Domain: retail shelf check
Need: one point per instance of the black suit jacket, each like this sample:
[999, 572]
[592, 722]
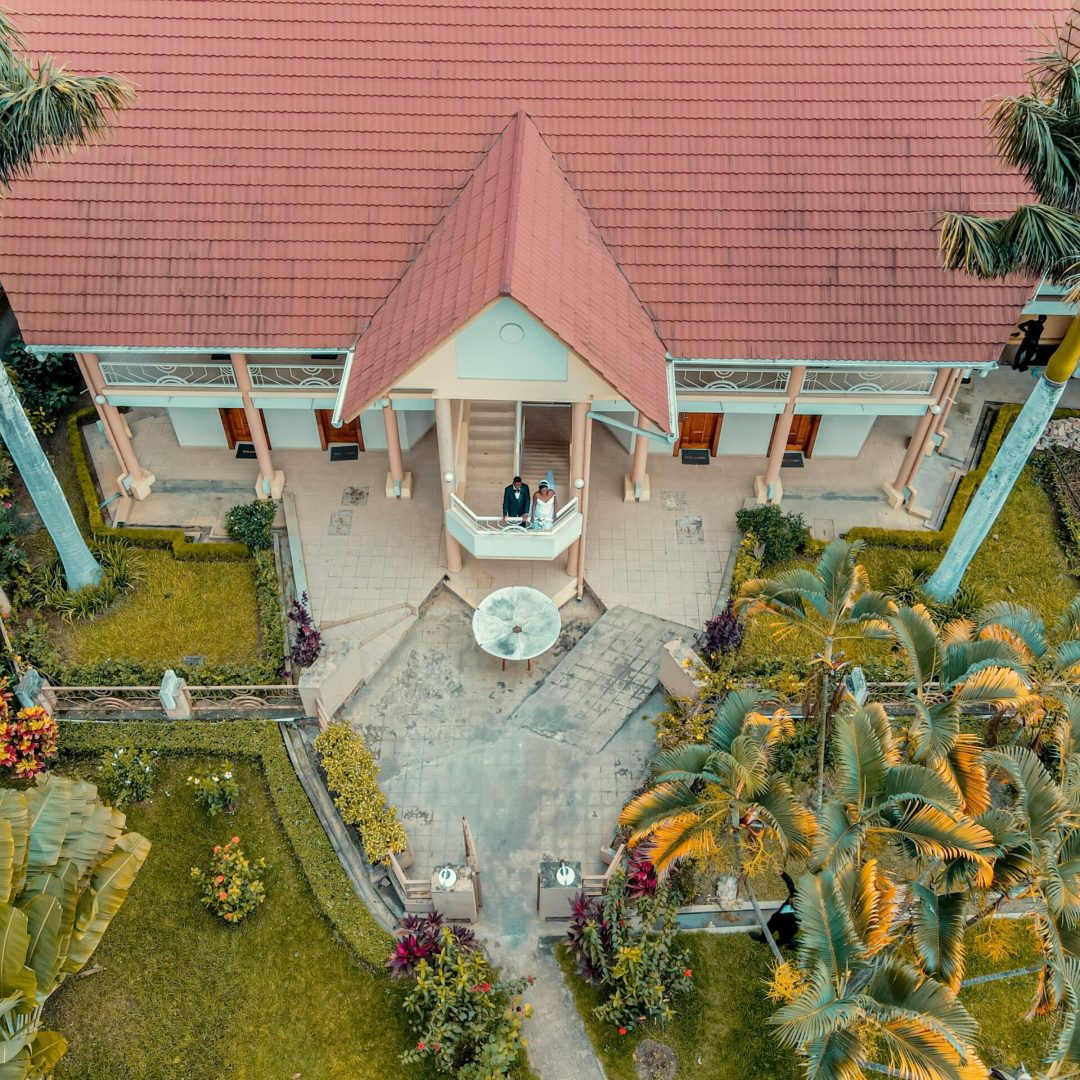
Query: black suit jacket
[515, 507]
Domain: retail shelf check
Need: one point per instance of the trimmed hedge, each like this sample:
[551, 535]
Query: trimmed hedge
[173, 540]
[258, 741]
[940, 539]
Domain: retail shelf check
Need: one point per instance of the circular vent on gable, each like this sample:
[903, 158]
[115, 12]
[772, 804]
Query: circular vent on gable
[511, 333]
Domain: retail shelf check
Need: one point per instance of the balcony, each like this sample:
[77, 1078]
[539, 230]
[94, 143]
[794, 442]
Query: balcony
[490, 538]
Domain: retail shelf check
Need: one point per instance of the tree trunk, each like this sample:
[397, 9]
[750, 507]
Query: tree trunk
[825, 695]
[743, 876]
[80, 566]
[1011, 457]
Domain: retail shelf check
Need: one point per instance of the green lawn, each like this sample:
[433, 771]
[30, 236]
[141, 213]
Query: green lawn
[184, 997]
[1021, 560]
[180, 609]
[722, 1032]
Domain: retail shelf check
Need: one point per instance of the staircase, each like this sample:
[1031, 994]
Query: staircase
[547, 449]
[491, 455]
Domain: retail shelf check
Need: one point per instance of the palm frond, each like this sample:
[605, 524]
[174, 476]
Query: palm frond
[839, 837]
[918, 637]
[932, 834]
[826, 932]
[992, 686]
[871, 898]
[816, 1013]
[791, 824]
[940, 923]
[732, 716]
[1041, 239]
[861, 764]
[1038, 798]
[1069, 623]
[973, 243]
[933, 730]
[968, 771]
[1025, 624]
[839, 575]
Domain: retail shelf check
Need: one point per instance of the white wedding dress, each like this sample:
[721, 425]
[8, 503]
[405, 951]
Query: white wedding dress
[543, 513]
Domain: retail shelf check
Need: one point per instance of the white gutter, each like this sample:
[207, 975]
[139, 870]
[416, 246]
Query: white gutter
[185, 350]
[838, 365]
[339, 402]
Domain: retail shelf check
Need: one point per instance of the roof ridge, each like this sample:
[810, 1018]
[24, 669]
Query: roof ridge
[506, 270]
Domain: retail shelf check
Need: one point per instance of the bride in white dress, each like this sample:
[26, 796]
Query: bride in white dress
[543, 507]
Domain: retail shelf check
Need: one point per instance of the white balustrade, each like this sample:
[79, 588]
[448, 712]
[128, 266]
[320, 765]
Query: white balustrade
[494, 537]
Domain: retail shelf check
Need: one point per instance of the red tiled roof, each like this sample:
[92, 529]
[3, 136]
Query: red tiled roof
[516, 229]
[767, 174]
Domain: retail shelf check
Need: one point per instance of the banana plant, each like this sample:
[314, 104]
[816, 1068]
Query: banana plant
[66, 867]
[724, 796]
[833, 603]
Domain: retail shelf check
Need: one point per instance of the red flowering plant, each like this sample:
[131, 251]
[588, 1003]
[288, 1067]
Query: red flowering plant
[624, 942]
[231, 887]
[419, 937]
[468, 1022]
[27, 738]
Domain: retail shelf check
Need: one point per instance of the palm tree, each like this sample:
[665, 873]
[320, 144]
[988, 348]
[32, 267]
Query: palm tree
[43, 111]
[951, 670]
[723, 796]
[833, 603]
[1036, 133]
[860, 998]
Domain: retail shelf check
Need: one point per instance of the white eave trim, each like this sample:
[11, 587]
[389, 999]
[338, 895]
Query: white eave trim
[839, 365]
[186, 350]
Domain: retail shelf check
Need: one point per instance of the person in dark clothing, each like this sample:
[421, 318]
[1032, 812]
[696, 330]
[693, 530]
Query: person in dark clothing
[784, 923]
[1028, 351]
[516, 500]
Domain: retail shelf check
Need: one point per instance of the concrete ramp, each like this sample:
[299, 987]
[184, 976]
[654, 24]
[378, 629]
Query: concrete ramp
[598, 684]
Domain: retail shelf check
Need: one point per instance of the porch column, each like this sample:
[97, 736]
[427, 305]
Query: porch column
[768, 488]
[398, 481]
[578, 423]
[636, 485]
[901, 492]
[444, 433]
[134, 479]
[270, 484]
[948, 399]
[583, 503]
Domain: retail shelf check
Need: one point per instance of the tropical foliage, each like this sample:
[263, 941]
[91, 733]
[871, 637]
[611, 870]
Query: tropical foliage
[27, 738]
[216, 788]
[232, 887]
[307, 643]
[625, 942]
[252, 524]
[66, 866]
[126, 774]
[723, 797]
[467, 1020]
[46, 385]
[419, 937]
[781, 536]
[832, 603]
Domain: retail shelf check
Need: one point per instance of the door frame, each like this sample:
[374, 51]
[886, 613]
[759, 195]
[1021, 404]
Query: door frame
[714, 443]
[231, 438]
[328, 434]
[815, 426]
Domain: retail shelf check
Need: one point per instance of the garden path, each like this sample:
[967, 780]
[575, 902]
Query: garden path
[539, 762]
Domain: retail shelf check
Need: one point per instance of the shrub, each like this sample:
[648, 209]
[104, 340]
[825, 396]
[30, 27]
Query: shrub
[307, 644]
[126, 775]
[468, 1022]
[419, 937]
[27, 739]
[781, 535]
[252, 524]
[353, 773]
[907, 586]
[262, 743]
[723, 634]
[121, 571]
[231, 888]
[626, 946]
[747, 562]
[46, 385]
[216, 790]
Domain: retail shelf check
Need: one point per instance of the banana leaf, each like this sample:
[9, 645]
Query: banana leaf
[15, 976]
[13, 810]
[44, 915]
[46, 1051]
[49, 807]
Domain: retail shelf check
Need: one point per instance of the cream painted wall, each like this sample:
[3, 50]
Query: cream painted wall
[842, 436]
[292, 429]
[746, 434]
[413, 424]
[198, 427]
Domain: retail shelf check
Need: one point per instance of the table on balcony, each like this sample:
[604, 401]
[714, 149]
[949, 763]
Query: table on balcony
[517, 623]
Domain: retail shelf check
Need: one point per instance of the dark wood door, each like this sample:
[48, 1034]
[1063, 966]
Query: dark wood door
[803, 434]
[237, 429]
[347, 433]
[699, 431]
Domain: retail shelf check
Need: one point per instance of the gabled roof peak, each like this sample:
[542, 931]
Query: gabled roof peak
[516, 228]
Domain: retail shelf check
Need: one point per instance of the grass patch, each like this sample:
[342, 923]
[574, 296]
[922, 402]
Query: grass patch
[180, 608]
[184, 996]
[721, 1030]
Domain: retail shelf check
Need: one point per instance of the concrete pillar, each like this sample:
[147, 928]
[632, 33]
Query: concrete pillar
[578, 423]
[952, 387]
[583, 502]
[134, 479]
[398, 481]
[636, 485]
[769, 488]
[270, 484]
[901, 491]
[444, 433]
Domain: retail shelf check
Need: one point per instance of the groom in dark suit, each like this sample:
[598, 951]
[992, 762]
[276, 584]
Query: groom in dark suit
[516, 500]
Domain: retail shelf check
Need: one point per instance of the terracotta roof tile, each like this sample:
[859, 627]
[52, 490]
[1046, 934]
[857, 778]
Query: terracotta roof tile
[767, 175]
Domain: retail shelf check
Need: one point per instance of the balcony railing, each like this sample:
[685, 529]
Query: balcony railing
[868, 381]
[495, 538]
[295, 376]
[693, 378]
[121, 373]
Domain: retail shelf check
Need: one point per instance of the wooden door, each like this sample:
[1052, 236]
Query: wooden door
[237, 429]
[803, 434]
[699, 431]
[347, 433]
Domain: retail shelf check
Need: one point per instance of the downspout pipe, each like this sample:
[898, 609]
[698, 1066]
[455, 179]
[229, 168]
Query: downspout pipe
[339, 404]
[667, 440]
